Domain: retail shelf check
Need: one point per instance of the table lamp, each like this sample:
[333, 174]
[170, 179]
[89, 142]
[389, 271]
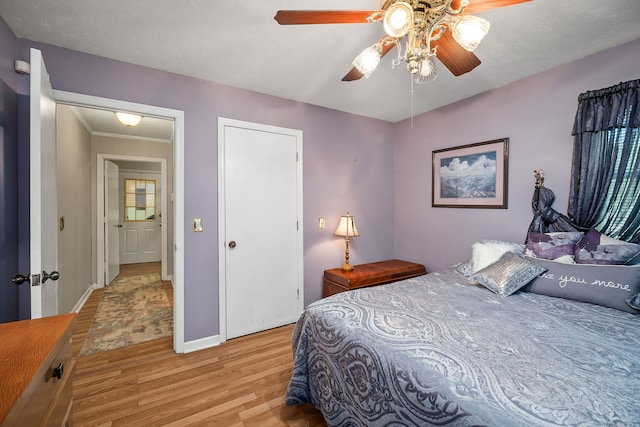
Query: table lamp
[346, 229]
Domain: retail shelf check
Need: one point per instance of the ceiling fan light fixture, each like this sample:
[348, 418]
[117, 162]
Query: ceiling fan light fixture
[367, 61]
[128, 119]
[417, 28]
[398, 19]
[427, 71]
[469, 30]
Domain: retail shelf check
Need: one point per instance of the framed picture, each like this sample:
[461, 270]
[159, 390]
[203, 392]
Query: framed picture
[471, 176]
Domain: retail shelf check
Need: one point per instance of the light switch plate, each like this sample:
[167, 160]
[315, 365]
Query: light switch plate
[198, 225]
[321, 222]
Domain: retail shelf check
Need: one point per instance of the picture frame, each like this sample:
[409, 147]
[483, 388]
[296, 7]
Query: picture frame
[471, 176]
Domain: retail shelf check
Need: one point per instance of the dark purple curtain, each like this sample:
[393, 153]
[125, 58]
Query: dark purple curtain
[545, 218]
[604, 118]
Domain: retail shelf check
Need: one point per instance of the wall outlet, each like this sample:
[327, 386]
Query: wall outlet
[321, 223]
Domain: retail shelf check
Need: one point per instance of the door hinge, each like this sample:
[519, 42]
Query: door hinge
[298, 290]
[297, 156]
[298, 225]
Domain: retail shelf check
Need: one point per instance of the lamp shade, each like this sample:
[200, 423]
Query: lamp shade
[368, 60]
[347, 227]
[427, 71]
[398, 19]
[469, 30]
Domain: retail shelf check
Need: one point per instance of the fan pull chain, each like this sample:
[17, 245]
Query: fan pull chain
[411, 100]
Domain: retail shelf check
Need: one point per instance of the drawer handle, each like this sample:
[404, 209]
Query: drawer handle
[57, 372]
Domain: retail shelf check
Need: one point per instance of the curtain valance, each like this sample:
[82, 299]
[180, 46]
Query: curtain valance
[602, 109]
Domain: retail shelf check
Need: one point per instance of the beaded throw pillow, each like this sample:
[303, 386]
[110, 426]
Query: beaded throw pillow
[510, 273]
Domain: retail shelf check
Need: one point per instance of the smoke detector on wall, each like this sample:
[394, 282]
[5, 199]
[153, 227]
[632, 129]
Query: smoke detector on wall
[22, 67]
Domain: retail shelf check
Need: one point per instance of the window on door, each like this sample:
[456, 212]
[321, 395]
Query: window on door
[139, 199]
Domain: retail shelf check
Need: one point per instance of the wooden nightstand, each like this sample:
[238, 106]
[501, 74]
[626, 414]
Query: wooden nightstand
[376, 273]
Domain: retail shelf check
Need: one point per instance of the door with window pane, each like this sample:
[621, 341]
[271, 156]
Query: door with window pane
[141, 219]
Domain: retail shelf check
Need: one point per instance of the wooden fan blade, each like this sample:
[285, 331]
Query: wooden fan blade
[476, 6]
[455, 57]
[298, 17]
[354, 74]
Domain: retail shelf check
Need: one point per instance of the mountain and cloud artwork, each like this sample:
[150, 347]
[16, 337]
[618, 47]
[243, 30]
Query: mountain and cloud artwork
[470, 176]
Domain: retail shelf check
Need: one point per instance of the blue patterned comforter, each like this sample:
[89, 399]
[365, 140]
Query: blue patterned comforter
[435, 350]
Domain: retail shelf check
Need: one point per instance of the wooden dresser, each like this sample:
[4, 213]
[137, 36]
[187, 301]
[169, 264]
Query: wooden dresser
[372, 274]
[36, 388]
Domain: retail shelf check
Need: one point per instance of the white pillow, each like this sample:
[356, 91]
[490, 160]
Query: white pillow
[487, 252]
[565, 259]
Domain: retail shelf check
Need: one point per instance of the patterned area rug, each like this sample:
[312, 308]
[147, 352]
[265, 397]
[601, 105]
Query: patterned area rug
[132, 310]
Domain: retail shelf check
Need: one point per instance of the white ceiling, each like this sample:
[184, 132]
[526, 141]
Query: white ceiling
[238, 43]
[104, 123]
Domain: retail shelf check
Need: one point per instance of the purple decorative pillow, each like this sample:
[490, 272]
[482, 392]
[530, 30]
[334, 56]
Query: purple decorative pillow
[607, 285]
[552, 245]
[596, 248]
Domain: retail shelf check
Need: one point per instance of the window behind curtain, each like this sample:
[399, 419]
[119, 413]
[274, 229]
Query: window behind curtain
[605, 181]
[623, 201]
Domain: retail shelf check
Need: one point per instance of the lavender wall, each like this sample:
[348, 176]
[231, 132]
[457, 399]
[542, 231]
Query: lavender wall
[537, 115]
[348, 165]
[358, 164]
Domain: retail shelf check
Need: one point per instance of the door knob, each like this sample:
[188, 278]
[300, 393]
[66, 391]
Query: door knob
[232, 244]
[54, 275]
[19, 279]
[119, 225]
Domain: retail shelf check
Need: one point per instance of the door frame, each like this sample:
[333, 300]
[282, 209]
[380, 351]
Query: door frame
[222, 261]
[161, 179]
[109, 228]
[100, 235]
[73, 98]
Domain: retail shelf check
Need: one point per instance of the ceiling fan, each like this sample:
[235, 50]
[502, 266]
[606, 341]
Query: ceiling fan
[442, 29]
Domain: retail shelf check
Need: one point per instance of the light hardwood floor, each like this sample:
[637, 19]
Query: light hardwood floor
[239, 383]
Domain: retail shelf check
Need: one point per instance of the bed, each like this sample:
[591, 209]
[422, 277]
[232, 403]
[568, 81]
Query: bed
[439, 350]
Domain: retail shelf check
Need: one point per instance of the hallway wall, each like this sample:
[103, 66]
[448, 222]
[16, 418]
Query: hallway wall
[74, 204]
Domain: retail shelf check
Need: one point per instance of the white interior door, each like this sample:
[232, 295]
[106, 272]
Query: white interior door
[261, 230]
[141, 241]
[112, 220]
[43, 191]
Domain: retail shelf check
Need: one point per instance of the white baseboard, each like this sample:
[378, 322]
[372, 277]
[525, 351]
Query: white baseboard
[84, 298]
[201, 344]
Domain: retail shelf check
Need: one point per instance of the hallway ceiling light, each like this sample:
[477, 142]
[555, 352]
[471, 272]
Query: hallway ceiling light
[128, 119]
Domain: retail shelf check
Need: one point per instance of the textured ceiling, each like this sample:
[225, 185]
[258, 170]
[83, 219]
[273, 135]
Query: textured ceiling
[238, 43]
